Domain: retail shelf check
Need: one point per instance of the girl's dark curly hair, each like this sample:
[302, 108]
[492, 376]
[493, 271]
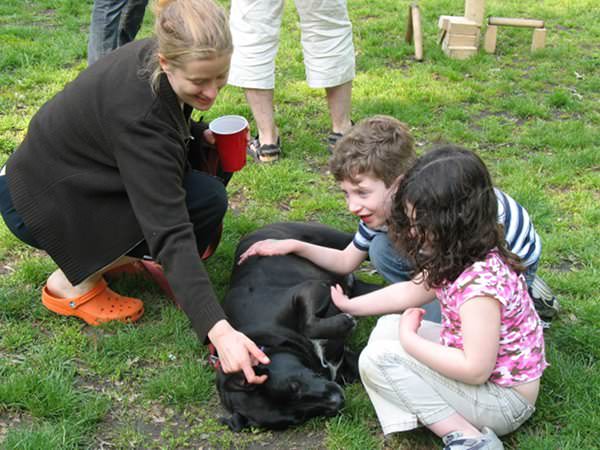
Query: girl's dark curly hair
[450, 196]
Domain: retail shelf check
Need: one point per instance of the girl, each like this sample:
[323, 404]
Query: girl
[477, 375]
[103, 177]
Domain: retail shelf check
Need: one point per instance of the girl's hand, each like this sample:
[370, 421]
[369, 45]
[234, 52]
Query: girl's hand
[340, 299]
[410, 322]
[237, 352]
[268, 247]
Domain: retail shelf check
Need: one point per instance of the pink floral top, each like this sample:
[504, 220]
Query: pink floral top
[521, 356]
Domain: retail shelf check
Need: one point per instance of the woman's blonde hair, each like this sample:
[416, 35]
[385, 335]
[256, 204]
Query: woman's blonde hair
[188, 30]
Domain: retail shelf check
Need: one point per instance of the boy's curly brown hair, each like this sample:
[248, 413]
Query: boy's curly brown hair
[380, 146]
[450, 196]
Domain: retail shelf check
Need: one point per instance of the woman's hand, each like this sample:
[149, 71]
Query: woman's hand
[268, 247]
[410, 323]
[341, 300]
[237, 352]
[209, 137]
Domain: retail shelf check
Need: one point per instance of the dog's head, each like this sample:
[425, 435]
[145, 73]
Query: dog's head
[292, 394]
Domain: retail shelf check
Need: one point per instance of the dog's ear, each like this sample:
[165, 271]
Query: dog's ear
[236, 422]
[237, 382]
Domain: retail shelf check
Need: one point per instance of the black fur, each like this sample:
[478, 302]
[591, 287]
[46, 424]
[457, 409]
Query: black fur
[283, 303]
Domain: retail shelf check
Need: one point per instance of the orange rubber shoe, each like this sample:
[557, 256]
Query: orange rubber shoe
[97, 306]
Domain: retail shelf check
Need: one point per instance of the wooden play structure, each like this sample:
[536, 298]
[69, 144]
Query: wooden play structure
[414, 31]
[459, 35]
[539, 32]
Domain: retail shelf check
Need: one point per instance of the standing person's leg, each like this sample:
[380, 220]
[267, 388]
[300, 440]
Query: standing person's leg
[329, 57]
[339, 101]
[131, 20]
[261, 104]
[255, 28]
[395, 268]
[104, 28]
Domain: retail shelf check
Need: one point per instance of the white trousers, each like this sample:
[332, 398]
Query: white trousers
[406, 393]
[326, 36]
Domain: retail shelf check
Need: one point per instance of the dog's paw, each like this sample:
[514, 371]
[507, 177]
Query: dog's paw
[350, 321]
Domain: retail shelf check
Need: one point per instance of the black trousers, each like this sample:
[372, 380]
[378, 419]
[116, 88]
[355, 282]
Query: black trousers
[206, 200]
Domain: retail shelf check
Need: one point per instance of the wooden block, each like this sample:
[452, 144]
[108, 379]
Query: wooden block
[474, 10]
[512, 22]
[463, 27]
[489, 42]
[417, 31]
[409, 26]
[461, 40]
[539, 39]
[460, 52]
[459, 24]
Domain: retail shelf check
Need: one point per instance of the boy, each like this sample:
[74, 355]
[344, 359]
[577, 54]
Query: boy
[368, 162]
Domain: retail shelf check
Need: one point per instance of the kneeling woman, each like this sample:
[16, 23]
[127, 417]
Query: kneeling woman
[103, 177]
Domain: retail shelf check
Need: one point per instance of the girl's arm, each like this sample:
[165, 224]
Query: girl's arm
[338, 261]
[394, 298]
[480, 321]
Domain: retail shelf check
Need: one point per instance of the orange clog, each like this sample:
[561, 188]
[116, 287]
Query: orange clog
[97, 306]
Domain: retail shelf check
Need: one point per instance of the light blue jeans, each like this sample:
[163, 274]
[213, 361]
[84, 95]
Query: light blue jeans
[114, 23]
[406, 393]
[392, 266]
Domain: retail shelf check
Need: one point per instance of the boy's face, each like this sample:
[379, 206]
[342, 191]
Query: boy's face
[368, 198]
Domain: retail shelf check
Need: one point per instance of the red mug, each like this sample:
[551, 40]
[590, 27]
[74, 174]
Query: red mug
[231, 136]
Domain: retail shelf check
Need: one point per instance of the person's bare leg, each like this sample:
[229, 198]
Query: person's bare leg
[61, 287]
[339, 100]
[261, 104]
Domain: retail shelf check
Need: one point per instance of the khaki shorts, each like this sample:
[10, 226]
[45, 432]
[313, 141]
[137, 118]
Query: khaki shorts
[326, 36]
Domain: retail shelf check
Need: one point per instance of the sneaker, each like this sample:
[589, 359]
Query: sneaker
[487, 441]
[544, 300]
[264, 152]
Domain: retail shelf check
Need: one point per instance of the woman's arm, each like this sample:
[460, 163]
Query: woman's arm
[480, 323]
[338, 261]
[394, 298]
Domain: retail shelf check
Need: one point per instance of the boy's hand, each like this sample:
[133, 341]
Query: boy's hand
[268, 247]
[340, 299]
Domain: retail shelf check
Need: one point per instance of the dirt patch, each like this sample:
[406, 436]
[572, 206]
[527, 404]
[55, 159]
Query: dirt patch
[158, 426]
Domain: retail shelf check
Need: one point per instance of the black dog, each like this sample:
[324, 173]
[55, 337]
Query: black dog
[283, 303]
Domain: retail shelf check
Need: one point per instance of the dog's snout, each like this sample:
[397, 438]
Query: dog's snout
[334, 402]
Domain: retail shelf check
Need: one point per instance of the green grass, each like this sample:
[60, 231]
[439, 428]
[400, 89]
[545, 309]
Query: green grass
[534, 119]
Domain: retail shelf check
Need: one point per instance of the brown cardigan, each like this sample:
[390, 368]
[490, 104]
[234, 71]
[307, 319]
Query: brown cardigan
[101, 169]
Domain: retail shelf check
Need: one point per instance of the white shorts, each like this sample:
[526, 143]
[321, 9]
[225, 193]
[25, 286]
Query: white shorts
[326, 42]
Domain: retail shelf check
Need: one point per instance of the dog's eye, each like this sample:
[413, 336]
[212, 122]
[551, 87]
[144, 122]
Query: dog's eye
[294, 387]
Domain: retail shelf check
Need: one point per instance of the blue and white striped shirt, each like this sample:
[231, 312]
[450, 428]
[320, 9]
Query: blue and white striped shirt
[519, 233]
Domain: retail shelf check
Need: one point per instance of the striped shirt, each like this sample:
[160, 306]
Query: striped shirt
[520, 235]
[364, 235]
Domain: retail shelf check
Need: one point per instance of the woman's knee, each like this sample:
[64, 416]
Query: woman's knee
[206, 198]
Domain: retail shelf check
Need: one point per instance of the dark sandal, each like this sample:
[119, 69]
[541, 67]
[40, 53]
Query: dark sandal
[264, 152]
[333, 138]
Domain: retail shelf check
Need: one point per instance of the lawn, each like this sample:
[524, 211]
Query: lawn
[533, 118]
